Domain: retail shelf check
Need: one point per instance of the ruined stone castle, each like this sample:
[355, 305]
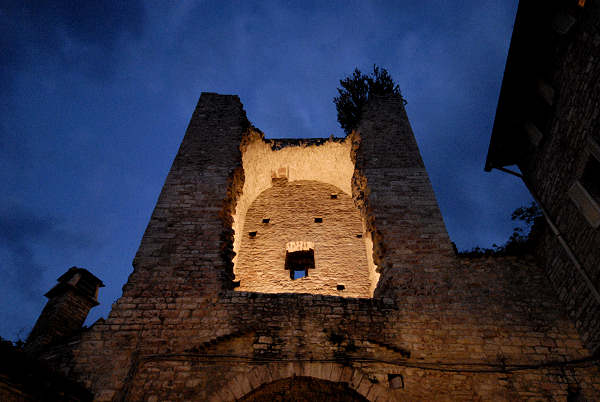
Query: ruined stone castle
[318, 269]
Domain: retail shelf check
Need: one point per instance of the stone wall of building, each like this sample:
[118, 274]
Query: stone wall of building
[62, 316]
[323, 219]
[437, 328]
[559, 161]
[326, 161]
[393, 191]
[23, 379]
[490, 330]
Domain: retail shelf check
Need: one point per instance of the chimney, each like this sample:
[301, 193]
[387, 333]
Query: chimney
[69, 303]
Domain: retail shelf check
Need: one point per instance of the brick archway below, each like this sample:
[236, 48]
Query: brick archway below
[272, 378]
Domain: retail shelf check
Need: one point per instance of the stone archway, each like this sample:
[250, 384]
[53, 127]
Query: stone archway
[331, 376]
[304, 389]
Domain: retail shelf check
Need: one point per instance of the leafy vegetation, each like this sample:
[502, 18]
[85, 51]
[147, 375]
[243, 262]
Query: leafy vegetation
[522, 239]
[355, 92]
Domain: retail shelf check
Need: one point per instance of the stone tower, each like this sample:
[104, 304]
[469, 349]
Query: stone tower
[69, 303]
[232, 196]
[318, 269]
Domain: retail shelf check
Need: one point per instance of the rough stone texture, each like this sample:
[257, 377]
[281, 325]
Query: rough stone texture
[449, 329]
[339, 248]
[191, 223]
[304, 389]
[61, 317]
[327, 161]
[493, 331]
[23, 378]
[560, 160]
[393, 191]
[69, 303]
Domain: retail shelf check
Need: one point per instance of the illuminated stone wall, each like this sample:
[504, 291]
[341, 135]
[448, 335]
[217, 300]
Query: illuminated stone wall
[291, 209]
[436, 328]
[558, 163]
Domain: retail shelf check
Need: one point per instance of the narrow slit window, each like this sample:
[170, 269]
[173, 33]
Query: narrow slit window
[359, 236]
[590, 180]
[266, 220]
[318, 220]
[252, 234]
[341, 287]
[334, 196]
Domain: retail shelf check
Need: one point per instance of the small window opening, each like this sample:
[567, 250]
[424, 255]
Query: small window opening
[396, 381]
[318, 220]
[591, 178]
[266, 220]
[334, 196]
[298, 274]
[299, 262]
[87, 286]
[574, 393]
[359, 236]
[341, 287]
[252, 234]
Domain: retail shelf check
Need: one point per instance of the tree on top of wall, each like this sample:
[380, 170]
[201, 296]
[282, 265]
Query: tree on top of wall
[356, 90]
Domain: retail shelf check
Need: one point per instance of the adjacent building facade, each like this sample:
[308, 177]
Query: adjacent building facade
[548, 124]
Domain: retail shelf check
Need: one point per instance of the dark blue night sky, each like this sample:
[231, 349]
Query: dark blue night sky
[96, 97]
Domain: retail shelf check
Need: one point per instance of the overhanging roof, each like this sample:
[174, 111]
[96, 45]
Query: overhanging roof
[533, 48]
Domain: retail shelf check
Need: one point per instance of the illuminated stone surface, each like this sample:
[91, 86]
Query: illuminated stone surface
[340, 257]
[453, 329]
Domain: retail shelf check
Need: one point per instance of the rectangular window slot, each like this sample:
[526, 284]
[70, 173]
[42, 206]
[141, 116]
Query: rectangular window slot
[534, 135]
[299, 262]
[266, 220]
[396, 381]
[586, 203]
[334, 196]
[341, 287]
[318, 220]
[591, 178]
[359, 236]
[252, 234]
[545, 91]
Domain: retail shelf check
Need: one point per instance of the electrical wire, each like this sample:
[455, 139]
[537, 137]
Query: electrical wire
[455, 367]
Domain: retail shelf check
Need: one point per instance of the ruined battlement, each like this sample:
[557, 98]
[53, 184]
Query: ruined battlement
[381, 308]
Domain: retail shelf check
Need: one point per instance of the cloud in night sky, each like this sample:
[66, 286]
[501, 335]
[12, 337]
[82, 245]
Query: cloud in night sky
[97, 96]
[68, 35]
[23, 238]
